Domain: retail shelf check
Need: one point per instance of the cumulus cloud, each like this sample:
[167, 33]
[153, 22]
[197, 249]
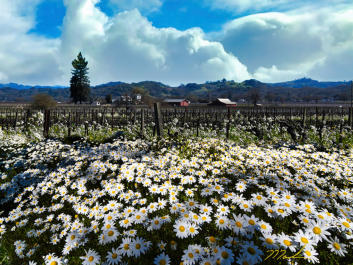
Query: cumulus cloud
[128, 47]
[25, 58]
[317, 43]
[237, 6]
[273, 74]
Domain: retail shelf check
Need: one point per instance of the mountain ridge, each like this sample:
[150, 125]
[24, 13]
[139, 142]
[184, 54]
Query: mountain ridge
[304, 89]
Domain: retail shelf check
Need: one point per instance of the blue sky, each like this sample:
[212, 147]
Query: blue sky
[176, 41]
[179, 14]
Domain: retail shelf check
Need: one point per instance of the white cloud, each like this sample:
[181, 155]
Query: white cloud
[316, 43]
[237, 6]
[142, 5]
[26, 58]
[128, 48]
[273, 74]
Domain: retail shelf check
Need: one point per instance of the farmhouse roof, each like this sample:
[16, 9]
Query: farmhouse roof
[174, 100]
[226, 101]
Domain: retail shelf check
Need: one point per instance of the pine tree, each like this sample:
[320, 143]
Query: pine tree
[79, 83]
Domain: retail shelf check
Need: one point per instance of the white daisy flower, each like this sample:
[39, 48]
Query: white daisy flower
[91, 258]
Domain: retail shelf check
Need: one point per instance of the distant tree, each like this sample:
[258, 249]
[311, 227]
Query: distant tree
[145, 95]
[79, 83]
[109, 98]
[254, 95]
[43, 101]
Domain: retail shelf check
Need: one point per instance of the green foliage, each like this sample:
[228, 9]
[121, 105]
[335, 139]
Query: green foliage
[43, 101]
[79, 83]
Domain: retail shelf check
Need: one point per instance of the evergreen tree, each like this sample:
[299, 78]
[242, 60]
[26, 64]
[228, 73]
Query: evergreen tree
[79, 83]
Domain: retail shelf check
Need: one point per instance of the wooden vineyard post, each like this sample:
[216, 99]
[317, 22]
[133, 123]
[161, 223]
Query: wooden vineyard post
[228, 123]
[15, 121]
[290, 114]
[158, 119]
[142, 126]
[304, 118]
[26, 119]
[69, 125]
[134, 117]
[46, 123]
[86, 128]
[316, 117]
[112, 120]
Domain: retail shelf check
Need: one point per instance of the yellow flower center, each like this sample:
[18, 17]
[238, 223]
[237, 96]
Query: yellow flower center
[304, 240]
[126, 246]
[181, 228]
[225, 254]
[317, 230]
[269, 241]
[91, 258]
[221, 221]
[114, 255]
[287, 242]
[336, 246]
[110, 233]
[138, 246]
[308, 253]
[162, 262]
[251, 222]
[251, 251]
[53, 263]
[191, 255]
[346, 224]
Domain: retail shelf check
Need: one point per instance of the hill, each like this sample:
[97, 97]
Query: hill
[300, 90]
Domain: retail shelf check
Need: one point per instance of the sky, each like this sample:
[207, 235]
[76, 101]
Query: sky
[176, 41]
